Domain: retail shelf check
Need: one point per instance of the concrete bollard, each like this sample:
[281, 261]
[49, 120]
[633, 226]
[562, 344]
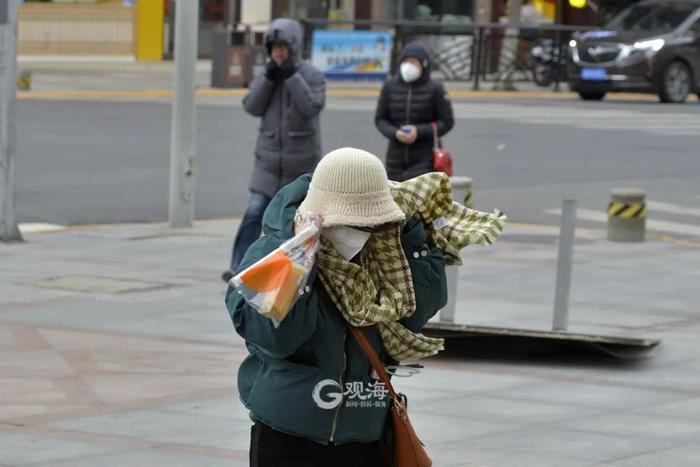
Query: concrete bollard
[461, 190]
[469, 197]
[447, 314]
[627, 215]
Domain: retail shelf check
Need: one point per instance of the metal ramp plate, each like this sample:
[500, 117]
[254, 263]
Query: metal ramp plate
[619, 347]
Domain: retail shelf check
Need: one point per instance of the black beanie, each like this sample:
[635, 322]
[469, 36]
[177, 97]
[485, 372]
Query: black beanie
[416, 50]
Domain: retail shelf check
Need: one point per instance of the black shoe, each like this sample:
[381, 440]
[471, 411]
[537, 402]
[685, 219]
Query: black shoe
[227, 275]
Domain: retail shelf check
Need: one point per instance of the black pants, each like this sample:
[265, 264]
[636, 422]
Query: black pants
[271, 448]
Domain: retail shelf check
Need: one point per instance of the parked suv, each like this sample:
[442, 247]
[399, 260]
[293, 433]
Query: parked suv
[652, 46]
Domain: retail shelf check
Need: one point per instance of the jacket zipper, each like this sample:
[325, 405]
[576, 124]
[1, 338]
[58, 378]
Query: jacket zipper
[282, 130]
[337, 411]
[408, 121]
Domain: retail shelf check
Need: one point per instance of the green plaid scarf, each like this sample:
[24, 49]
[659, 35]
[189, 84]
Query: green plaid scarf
[379, 289]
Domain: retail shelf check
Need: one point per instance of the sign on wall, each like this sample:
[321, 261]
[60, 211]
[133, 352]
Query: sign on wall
[352, 54]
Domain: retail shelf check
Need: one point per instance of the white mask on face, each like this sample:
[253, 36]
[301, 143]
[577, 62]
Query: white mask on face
[348, 241]
[409, 72]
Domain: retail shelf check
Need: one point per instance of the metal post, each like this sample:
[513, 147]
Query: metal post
[182, 138]
[476, 58]
[557, 75]
[8, 129]
[564, 265]
[557, 43]
[484, 54]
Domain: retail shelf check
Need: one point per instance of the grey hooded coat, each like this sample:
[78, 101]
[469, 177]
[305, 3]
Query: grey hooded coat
[289, 142]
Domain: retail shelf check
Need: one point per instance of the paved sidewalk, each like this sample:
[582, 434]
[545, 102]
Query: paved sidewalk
[86, 75]
[117, 351]
[64, 78]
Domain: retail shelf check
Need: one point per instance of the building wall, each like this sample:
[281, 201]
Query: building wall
[75, 29]
[256, 11]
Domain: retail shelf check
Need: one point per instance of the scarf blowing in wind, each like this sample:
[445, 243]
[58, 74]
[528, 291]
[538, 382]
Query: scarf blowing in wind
[379, 289]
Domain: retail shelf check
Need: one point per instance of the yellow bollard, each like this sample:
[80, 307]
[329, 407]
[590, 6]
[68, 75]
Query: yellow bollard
[149, 25]
[627, 213]
[24, 81]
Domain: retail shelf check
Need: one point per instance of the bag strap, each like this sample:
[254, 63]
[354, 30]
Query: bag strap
[437, 144]
[373, 359]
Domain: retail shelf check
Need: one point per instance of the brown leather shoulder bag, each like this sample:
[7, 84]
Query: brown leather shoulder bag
[408, 450]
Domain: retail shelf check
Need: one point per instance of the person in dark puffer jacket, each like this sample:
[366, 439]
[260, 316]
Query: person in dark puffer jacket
[407, 106]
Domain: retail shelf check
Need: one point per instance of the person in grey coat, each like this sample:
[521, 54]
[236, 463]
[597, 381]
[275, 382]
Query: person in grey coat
[288, 95]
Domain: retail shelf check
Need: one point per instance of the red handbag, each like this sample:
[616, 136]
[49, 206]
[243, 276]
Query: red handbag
[442, 160]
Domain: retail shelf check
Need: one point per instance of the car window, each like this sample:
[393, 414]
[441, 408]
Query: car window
[694, 29]
[652, 17]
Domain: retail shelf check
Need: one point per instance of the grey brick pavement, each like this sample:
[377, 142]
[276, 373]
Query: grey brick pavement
[136, 365]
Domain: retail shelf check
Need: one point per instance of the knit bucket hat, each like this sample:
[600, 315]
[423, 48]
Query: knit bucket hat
[350, 187]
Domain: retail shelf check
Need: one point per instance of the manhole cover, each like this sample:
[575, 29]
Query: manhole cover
[96, 284]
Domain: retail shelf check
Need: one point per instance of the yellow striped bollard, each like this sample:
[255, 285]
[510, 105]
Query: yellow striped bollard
[24, 81]
[627, 214]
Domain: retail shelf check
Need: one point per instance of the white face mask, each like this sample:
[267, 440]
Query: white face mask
[348, 241]
[409, 72]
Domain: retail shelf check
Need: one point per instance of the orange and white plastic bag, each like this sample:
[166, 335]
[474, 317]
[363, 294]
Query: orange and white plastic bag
[273, 284]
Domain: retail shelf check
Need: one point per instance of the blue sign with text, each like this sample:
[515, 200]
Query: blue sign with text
[352, 54]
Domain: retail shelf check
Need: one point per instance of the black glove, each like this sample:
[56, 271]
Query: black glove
[272, 71]
[287, 68]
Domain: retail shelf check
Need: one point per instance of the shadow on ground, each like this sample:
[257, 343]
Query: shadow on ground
[514, 350]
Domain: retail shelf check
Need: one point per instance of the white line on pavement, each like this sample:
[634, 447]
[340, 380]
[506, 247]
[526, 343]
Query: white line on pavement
[652, 224]
[673, 208]
[39, 227]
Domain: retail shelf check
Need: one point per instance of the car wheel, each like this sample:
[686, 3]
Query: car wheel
[591, 96]
[675, 83]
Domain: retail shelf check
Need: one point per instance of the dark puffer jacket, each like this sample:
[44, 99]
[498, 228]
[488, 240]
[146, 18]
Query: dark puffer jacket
[418, 103]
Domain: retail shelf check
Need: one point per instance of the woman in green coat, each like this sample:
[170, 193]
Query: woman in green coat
[309, 387]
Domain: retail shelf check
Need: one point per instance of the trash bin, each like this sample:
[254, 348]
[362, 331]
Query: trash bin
[232, 58]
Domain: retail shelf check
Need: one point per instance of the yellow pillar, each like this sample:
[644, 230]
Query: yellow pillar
[149, 23]
[547, 8]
